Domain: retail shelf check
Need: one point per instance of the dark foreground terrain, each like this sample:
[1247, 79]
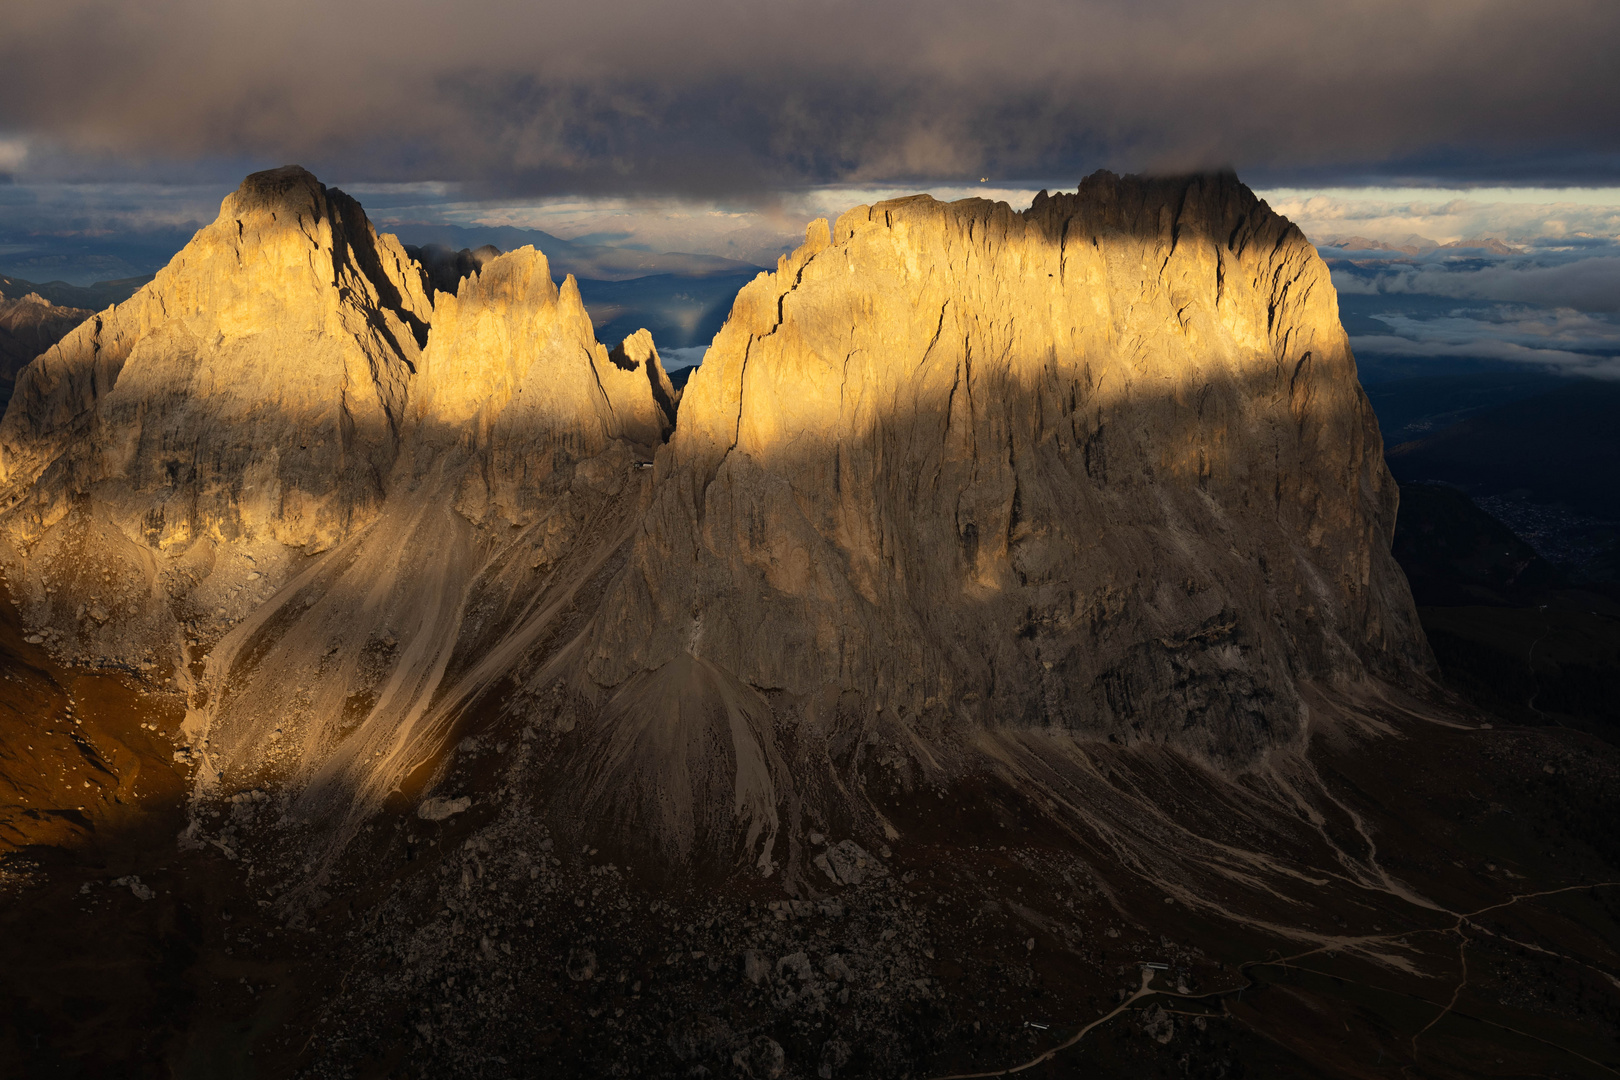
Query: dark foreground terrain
[1509, 533]
[1421, 892]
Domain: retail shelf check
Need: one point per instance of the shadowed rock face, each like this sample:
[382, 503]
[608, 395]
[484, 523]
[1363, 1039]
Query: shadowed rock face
[170, 459]
[952, 472]
[266, 473]
[445, 268]
[1103, 465]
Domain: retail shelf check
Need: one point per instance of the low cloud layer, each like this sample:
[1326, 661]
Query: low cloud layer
[1565, 341]
[1581, 284]
[1524, 275]
[1522, 216]
[717, 97]
[754, 230]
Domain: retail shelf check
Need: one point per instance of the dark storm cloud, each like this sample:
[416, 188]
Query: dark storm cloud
[728, 96]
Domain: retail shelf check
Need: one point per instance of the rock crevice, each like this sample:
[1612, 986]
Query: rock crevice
[950, 474]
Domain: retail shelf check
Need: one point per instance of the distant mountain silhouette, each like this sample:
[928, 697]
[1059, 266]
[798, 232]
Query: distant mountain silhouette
[35, 317]
[92, 297]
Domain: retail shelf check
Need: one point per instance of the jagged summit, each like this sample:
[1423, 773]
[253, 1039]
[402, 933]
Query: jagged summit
[169, 462]
[289, 189]
[951, 475]
[288, 297]
[178, 459]
[1101, 467]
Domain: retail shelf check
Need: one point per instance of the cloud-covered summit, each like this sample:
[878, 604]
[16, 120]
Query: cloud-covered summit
[715, 96]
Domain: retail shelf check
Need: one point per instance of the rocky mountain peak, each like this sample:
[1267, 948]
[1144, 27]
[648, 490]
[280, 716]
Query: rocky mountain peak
[250, 406]
[1006, 636]
[290, 189]
[951, 475]
[1099, 467]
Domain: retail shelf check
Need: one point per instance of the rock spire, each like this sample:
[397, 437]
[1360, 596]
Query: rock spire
[952, 475]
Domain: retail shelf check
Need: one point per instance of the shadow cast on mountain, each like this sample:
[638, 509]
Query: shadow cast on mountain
[1160, 558]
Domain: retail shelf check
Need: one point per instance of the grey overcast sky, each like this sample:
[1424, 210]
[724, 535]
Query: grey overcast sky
[739, 98]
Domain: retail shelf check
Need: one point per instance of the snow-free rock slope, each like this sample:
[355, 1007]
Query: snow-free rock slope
[952, 473]
[266, 474]
[1103, 466]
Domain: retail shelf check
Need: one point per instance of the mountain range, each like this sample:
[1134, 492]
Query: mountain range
[1422, 245]
[996, 637]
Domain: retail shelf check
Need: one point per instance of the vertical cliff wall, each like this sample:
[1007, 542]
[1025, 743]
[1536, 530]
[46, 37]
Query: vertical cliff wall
[170, 459]
[1102, 466]
[313, 499]
[518, 456]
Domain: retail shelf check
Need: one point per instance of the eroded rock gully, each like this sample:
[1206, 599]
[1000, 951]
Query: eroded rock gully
[265, 478]
[1011, 605]
[1102, 467]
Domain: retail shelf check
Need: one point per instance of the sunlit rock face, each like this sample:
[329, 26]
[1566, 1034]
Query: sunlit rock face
[171, 459]
[258, 382]
[517, 477]
[1102, 466]
[282, 474]
[953, 475]
[513, 374]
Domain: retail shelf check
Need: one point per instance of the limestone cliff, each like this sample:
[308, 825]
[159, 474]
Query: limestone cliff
[266, 474]
[1103, 467]
[517, 477]
[170, 459]
[951, 475]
